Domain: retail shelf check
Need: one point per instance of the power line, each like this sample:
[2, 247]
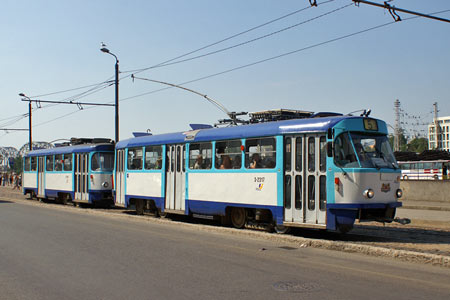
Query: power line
[259, 62]
[252, 40]
[180, 56]
[99, 86]
[279, 56]
[69, 100]
[73, 89]
[393, 10]
[226, 39]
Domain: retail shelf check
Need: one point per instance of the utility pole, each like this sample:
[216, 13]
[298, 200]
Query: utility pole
[116, 83]
[437, 129]
[397, 126]
[30, 109]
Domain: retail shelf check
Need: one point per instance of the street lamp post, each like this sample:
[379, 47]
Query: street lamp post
[30, 140]
[116, 82]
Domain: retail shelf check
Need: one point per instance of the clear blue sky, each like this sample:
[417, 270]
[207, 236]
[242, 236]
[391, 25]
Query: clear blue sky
[50, 46]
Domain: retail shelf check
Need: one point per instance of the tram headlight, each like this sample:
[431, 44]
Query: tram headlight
[399, 193]
[369, 193]
[105, 184]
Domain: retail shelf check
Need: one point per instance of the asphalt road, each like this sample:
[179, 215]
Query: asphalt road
[52, 254]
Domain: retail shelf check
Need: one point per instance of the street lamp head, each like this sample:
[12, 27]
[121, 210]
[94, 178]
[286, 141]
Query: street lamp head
[22, 95]
[106, 50]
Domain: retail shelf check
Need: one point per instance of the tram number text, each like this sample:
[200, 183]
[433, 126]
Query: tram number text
[259, 179]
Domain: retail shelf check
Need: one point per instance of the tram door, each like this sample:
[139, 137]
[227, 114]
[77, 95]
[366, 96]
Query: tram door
[120, 178]
[175, 178]
[81, 168]
[41, 177]
[305, 179]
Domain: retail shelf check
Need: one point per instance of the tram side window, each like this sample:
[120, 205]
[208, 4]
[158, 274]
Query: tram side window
[200, 156]
[135, 158]
[58, 162]
[344, 156]
[323, 154]
[33, 163]
[153, 157]
[260, 153]
[26, 166]
[311, 154]
[228, 155]
[49, 163]
[67, 162]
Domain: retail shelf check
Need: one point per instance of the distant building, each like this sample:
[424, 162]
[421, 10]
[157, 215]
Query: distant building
[439, 136]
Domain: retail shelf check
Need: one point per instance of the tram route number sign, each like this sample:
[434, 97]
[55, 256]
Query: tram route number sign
[370, 124]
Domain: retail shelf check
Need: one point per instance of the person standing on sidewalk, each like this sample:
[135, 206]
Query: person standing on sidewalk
[16, 182]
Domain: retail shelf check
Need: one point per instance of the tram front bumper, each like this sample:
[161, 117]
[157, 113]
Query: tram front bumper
[346, 214]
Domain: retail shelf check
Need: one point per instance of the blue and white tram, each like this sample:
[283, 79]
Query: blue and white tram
[80, 173]
[317, 172]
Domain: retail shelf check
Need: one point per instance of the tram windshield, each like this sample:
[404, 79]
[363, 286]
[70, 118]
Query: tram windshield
[357, 150]
[102, 161]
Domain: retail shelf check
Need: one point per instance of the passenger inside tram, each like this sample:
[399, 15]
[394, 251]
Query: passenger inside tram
[226, 162]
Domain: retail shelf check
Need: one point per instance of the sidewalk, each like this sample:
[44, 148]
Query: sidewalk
[8, 192]
[426, 205]
[432, 213]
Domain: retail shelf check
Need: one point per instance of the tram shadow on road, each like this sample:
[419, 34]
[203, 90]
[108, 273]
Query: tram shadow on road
[412, 238]
[5, 201]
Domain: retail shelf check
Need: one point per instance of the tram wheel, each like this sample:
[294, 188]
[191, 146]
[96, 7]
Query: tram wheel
[63, 199]
[162, 214]
[280, 229]
[139, 206]
[238, 217]
[344, 228]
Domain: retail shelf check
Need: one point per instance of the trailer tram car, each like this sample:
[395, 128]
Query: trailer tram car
[79, 173]
[322, 172]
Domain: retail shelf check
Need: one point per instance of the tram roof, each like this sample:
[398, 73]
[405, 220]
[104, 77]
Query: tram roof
[72, 149]
[238, 132]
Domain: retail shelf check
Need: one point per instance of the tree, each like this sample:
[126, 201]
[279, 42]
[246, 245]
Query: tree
[402, 143]
[418, 145]
[17, 165]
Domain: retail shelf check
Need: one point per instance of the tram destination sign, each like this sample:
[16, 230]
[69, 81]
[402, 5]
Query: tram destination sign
[370, 124]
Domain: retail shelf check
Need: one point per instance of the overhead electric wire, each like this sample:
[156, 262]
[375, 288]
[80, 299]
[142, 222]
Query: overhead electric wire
[26, 115]
[15, 120]
[281, 55]
[136, 71]
[393, 10]
[255, 39]
[99, 86]
[73, 99]
[63, 116]
[73, 89]
[261, 61]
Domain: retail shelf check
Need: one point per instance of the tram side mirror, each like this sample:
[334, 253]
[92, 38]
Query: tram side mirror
[330, 149]
[329, 134]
